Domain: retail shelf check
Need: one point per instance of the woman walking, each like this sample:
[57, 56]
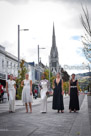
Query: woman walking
[73, 92]
[27, 96]
[11, 91]
[58, 94]
[44, 86]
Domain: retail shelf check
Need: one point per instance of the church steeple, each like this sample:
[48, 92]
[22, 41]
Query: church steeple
[53, 37]
[54, 52]
[54, 61]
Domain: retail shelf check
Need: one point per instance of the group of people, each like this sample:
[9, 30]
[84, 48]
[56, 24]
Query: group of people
[58, 92]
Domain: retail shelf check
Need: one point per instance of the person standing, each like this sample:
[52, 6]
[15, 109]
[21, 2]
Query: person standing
[73, 93]
[1, 92]
[58, 94]
[44, 87]
[27, 96]
[11, 91]
[35, 93]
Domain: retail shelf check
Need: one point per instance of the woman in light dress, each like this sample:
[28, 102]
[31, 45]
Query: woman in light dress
[27, 96]
[11, 91]
[44, 86]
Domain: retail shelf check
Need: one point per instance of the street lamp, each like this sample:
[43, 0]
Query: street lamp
[19, 44]
[38, 59]
[39, 53]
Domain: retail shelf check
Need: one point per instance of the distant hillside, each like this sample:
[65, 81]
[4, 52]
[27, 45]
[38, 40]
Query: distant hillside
[83, 75]
[84, 79]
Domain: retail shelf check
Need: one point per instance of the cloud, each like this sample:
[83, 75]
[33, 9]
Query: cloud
[16, 1]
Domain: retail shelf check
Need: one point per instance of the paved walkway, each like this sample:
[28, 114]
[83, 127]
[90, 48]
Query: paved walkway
[50, 124]
[19, 105]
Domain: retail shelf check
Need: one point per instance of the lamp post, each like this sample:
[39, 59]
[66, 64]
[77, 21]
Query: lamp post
[19, 44]
[49, 72]
[38, 59]
[39, 52]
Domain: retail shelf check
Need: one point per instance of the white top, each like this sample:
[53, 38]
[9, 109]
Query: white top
[26, 83]
[45, 86]
[11, 84]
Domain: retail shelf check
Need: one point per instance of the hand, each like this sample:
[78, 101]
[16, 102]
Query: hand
[8, 94]
[69, 93]
[53, 86]
[30, 93]
[62, 92]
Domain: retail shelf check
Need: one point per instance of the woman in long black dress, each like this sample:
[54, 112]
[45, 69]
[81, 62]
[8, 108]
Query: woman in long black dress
[58, 94]
[73, 92]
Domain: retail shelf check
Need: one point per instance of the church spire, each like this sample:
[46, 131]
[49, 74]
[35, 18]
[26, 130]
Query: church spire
[54, 61]
[53, 37]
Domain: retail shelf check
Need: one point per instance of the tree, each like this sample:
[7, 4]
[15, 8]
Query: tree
[86, 39]
[66, 87]
[46, 72]
[23, 70]
[65, 75]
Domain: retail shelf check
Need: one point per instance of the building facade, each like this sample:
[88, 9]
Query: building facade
[8, 65]
[54, 59]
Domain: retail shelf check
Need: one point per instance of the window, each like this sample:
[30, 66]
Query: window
[14, 65]
[3, 63]
[54, 64]
[7, 64]
[11, 65]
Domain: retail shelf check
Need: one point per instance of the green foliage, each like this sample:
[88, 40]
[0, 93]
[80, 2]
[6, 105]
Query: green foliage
[66, 87]
[23, 70]
[46, 72]
[65, 75]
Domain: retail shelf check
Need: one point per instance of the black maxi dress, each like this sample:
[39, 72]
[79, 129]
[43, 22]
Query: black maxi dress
[58, 97]
[74, 101]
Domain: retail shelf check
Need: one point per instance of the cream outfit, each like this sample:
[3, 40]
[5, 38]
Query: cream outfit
[44, 85]
[12, 93]
[26, 97]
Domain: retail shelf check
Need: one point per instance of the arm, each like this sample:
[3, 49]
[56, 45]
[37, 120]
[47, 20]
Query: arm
[22, 83]
[15, 89]
[15, 85]
[62, 88]
[40, 87]
[30, 87]
[53, 85]
[7, 88]
[69, 87]
[77, 88]
[48, 85]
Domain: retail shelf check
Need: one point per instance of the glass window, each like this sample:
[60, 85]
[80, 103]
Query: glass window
[2, 63]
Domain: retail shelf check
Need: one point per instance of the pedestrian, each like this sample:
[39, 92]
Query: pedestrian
[1, 92]
[58, 94]
[35, 93]
[27, 96]
[73, 93]
[44, 87]
[11, 91]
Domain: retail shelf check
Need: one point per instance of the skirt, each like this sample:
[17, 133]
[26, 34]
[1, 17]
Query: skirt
[26, 97]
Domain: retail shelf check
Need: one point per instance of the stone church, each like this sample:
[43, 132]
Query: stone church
[54, 59]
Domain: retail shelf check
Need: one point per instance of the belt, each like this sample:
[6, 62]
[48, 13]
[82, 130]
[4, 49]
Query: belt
[73, 86]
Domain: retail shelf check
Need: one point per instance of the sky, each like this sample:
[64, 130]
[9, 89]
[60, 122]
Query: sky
[38, 16]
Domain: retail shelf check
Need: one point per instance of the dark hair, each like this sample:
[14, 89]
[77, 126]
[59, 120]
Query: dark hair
[71, 78]
[58, 73]
[73, 74]
[11, 74]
